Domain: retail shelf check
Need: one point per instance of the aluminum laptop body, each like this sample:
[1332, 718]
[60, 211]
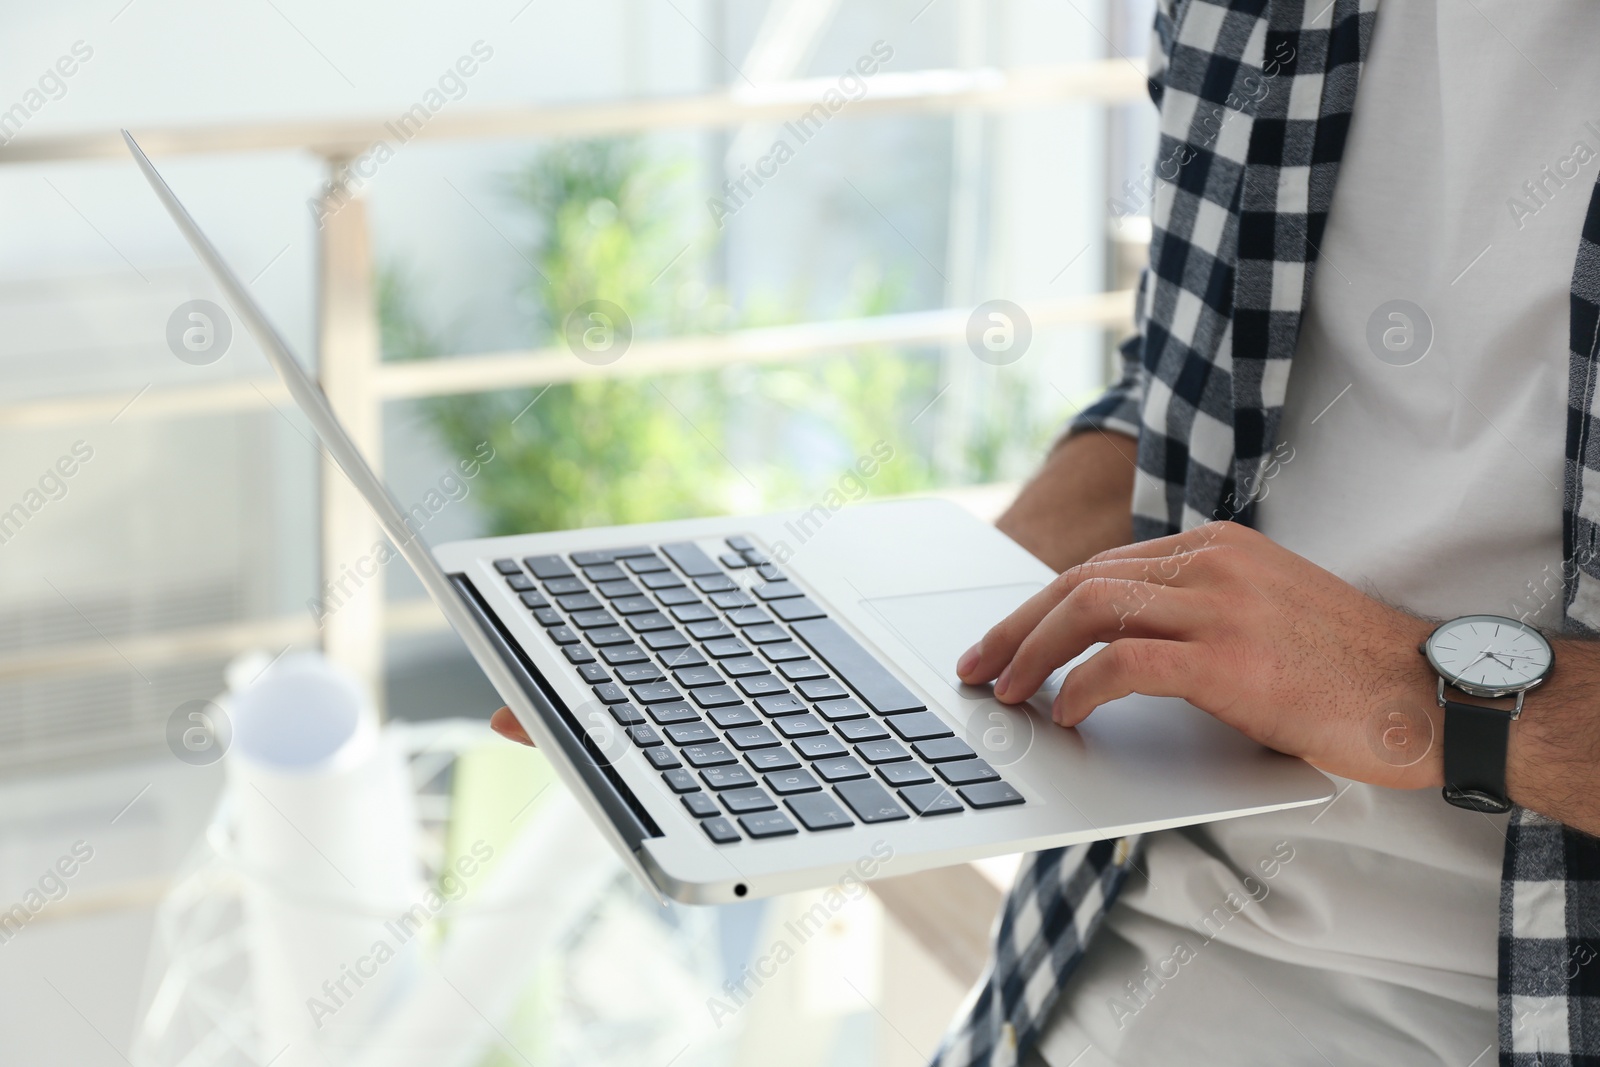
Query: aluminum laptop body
[752, 706]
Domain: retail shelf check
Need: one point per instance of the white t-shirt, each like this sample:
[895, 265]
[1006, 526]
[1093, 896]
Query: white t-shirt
[1366, 930]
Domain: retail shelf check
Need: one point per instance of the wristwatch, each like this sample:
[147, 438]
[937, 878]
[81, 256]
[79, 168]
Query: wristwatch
[1492, 657]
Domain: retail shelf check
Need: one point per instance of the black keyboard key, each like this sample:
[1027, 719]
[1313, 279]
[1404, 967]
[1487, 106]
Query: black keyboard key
[876, 752]
[770, 572]
[631, 552]
[786, 782]
[655, 693]
[929, 799]
[760, 685]
[745, 738]
[802, 669]
[688, 558]
[919, 726]
[782, 653]
[715, 696]
[839, 770]
[661, 580]
[578, 654]
[690, 733]
[907, 773]
[663, 639]
[767, 824]
[824, 746]
[604, 572]
[547, 616]
[638, 673]
[731, 560]
[649, 622]
[764, 634]
[619, 590]
[797, 609]
[520, 582]
[563, 635]
[616, 655]
[634, 605]
[822, 689]
[738, 715]
[594, 673]
[687, 656]
[680, 781]
[677, 596]
[748, 617]
[780, 704]
[644, 736]
[667, 714]
[696, 612]
[647, 564]
[739, 543]
[841, 710]
[708, 629]
[606, 635]
[565, 587]
[989, 795]
[592, 620]
[729, 601]
[742, 667]
[609, 693]
[881, 690]
[726, 647]
[707, 755]
[590, 558]
[793, 726]
[870, 801]
[771, 591]
[546, 567]
[662, 758]
[754, 557]
[941, 749]
[626, 714]
[578, 602]
[720, 830]
[818, 811]
[771, 759]
[741, 801]
[728, 776]
[700, 805]
[862, 730]
[695, 677]
[533, 601]
[507, 566]
[716, 583]
[967, 772]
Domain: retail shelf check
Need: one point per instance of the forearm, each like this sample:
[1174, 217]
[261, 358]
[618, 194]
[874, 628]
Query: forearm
[1079, 503]
[1553, 762]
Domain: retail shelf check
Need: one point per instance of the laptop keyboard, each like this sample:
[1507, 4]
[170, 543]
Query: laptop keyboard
[761, 713]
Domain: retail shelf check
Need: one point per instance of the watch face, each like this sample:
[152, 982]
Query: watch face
[1488, 655]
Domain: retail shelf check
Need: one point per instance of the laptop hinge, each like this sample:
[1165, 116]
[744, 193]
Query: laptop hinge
[603, 780]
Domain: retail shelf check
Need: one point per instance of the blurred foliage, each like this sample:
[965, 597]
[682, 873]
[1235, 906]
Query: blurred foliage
[611, 223]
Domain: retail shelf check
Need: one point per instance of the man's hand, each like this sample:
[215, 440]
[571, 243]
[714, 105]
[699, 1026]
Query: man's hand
[1261, 638]
[506, 725]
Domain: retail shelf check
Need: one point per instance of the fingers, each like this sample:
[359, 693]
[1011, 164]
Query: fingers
[1131, 665]
[506, 725]
[1152, 565]
[1102, 609]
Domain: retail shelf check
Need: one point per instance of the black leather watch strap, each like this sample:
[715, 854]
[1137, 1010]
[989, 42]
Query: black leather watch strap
[1475, 741]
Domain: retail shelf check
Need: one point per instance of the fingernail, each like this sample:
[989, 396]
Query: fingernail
[1002, 682]
[968, 660]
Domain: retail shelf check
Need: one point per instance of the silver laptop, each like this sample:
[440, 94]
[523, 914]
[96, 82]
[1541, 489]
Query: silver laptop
[751, 706]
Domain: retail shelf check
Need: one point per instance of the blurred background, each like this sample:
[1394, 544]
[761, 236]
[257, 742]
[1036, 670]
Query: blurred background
[800, 208]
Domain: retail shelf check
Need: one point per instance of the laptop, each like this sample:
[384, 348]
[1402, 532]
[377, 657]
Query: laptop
[759, 705]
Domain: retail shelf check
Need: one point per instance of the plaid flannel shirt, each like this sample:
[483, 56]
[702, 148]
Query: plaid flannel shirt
[1255, 100]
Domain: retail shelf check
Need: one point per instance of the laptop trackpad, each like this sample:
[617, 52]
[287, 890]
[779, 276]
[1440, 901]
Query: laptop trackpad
[938, 627]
